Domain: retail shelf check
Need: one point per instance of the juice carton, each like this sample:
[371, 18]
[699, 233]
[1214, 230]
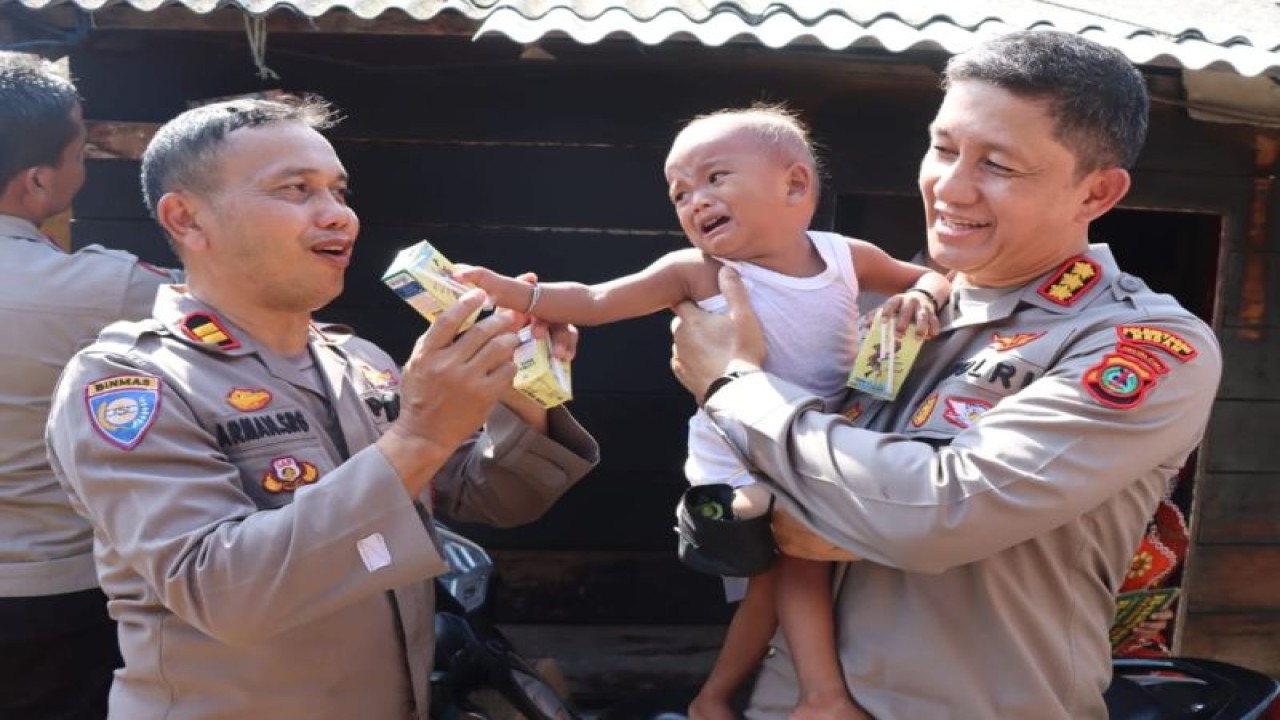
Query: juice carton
[539, 376]
[423, 277]
[884, 358]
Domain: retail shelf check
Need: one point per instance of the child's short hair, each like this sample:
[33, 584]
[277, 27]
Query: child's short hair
[779, 129]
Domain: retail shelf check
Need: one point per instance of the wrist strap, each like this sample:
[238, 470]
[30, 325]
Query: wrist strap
[928, 296]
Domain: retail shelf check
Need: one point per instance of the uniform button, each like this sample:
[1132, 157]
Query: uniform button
[1129, 283]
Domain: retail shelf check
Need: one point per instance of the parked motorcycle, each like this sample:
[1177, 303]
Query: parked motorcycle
[471, 654]
[1177, 688]
[474, 658]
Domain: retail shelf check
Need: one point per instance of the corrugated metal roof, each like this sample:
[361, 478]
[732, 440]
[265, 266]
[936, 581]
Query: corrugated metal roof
[1242, 36]
[367, 9]
[1236, 35]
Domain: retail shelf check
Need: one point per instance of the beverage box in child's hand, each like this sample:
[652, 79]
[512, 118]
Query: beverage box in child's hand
[539, 376]
[884, 357]
[423, 277]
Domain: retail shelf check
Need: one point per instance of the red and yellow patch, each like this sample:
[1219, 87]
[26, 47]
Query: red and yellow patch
[1119, 381]
[248, 400]
[964, 412]
[854, 412]
[288, 473]
[1005, 343]
[922, 413]
[1071, 281]
[380, 379]
[207, 329]
[1158, 338]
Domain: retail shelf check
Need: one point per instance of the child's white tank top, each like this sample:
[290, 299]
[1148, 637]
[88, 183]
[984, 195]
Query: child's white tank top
[811, 335]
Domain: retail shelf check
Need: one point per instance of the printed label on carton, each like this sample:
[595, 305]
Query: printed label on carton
[423, 277]
[539, 376]
[884, 358]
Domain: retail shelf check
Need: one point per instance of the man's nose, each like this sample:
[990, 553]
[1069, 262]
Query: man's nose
[953, 183]
[334, 213]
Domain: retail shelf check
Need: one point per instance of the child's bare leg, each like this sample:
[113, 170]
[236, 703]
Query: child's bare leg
[805, 611]
[745, 644]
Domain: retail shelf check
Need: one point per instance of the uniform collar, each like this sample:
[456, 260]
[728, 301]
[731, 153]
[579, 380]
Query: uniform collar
[200, 325]
[1065, 290]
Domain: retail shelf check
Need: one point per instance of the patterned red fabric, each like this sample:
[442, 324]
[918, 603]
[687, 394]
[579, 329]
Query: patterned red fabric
[1160, 554]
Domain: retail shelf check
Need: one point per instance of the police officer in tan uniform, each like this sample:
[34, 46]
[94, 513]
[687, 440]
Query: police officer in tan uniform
[57, 644]
[260, 487]
[998, 499]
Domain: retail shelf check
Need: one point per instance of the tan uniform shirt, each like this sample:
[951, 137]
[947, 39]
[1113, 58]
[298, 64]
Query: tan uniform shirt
[51, 304]
[997, 501]
[254, 570]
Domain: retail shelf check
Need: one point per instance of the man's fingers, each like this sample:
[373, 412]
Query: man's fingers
[480, 336]
[682, 310]
[446, 325]
[733, 289]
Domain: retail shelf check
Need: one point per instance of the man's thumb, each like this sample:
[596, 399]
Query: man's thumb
[733, 289]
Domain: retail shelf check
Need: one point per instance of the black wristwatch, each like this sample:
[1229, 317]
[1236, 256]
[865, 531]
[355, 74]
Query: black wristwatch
[723, 380]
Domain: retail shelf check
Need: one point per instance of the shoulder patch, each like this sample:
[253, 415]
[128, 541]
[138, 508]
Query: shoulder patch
[123, 407]
[207, 329]
[1158, 338]
[1119, 381]
[1071, 281]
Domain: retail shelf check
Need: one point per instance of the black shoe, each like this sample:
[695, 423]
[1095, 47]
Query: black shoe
[713, 541]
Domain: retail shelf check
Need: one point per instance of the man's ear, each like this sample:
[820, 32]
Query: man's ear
[800, 181]
[1105, 188]
[179, 214]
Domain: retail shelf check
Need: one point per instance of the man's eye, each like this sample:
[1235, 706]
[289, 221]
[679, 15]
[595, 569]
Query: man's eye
[679, 197]
[717, 176]
[1000, 169]
[343, 194]
[944, 151]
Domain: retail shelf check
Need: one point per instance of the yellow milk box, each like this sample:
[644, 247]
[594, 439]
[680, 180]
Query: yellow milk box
[423, 277]
[884, 358]
[539, 376]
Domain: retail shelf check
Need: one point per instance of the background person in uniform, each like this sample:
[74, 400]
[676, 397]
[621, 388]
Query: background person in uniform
[260, 487]
[57, 644]
[997, 502]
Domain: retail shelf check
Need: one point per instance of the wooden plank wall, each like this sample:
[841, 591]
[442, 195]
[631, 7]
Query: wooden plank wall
[556, 167]
[1234, 571]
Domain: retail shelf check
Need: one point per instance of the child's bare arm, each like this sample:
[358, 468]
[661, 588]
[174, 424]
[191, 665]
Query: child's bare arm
[916, 292]
[661, 285]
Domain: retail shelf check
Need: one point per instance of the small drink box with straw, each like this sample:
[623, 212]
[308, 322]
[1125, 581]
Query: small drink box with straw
[423, 277]
[884, 358]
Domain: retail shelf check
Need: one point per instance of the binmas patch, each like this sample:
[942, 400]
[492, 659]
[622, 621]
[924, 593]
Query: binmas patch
[288, 473]
[1120, 381]
[123, 407]
[1071, 281]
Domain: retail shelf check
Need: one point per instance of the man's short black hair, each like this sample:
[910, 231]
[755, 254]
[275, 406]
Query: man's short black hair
[1096, 96]
[183, 155]
[36, 105]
